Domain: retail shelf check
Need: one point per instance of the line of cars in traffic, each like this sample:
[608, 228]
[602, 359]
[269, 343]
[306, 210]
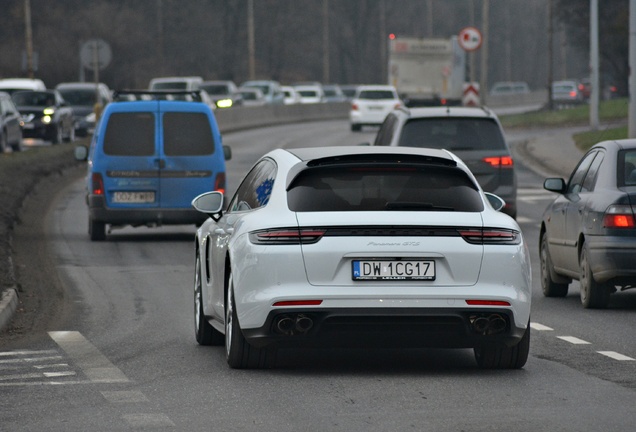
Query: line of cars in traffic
[29, 110]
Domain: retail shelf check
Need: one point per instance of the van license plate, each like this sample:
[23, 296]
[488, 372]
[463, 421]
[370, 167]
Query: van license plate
[394, 270]
[134, 197]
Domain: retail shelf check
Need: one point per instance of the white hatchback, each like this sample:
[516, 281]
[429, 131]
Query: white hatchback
[396, 246]
[371, 105]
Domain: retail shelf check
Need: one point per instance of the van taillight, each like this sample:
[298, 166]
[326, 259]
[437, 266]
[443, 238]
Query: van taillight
[97, 184]
[499, 161]
[219, 183]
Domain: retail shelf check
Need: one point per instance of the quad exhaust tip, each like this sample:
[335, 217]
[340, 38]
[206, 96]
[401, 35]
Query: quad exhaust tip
[488, 324]
[293, 324]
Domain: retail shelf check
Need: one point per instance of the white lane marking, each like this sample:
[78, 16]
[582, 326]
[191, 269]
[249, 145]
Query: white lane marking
[148, 420]
[30, 359]
[25, 352]
[92, 362]
[615, 355]
[524, 220]
[123, 396]
[50, 366]
[59, 374]
[574, 340]
[540, 327]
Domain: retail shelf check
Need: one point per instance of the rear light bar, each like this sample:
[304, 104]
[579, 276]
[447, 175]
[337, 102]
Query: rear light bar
[487, 303]
[298, 303]
[491, 236]
[97, 184]
[283, 236]
[619, 216]
[499, 161]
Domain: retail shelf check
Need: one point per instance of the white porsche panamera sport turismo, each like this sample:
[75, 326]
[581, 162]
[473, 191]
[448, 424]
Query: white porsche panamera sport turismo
[361, 246]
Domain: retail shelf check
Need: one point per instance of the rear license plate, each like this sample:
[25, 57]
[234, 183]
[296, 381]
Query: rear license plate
[394, 270]
[134, 197]
[28, 126]
[376, 108]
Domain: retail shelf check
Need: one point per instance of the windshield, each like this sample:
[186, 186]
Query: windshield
[79, 97]
[32, 98]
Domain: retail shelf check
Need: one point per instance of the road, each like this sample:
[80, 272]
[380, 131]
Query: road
[124, 357]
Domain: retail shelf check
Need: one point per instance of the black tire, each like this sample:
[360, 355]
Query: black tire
[502, 356]
[356, 128]
[550, 287]
[594, 295]
[16, 147]
[71, 135]
[239, 353]
[57, 135]
[96, 230]
[204, 333]
[3, 142]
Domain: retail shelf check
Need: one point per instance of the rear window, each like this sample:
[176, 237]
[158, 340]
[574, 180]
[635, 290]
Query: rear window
[376, 94]
[172, 85]
[454, 134]
[187, 134]
[627, 167]
[79, 97]
[386, 188]
[130, 134]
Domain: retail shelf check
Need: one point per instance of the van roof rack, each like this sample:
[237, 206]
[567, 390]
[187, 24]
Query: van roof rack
[158, 94]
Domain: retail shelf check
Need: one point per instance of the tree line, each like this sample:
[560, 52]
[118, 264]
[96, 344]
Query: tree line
[209, 38]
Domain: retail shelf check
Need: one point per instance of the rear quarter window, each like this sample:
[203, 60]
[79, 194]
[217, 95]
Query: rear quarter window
[187, 134]
[384, 189]
[130, 134]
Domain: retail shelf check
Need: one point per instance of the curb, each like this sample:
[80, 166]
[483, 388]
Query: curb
[8, 305]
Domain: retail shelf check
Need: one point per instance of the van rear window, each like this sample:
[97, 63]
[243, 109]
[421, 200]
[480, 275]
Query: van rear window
[130, 134]
[187, 134]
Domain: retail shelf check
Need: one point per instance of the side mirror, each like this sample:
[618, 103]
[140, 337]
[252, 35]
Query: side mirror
[81, 153]
[227, 152]
[554, 185]
[210, 203]
[495, 201]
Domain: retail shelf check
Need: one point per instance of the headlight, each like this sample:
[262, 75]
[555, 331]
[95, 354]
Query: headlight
[49, 111]
[46, 119]
[224, 103]
[90, 118]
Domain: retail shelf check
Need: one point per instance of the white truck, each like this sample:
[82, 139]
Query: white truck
[427, 71]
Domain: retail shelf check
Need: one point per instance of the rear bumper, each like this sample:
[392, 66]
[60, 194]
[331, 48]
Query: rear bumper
[409, 327]
[142, 216]
[612, 257]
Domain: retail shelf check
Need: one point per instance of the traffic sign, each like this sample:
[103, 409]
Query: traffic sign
[470, 39]
[95, 54]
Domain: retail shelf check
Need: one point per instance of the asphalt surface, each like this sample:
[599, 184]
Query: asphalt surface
[550, 153]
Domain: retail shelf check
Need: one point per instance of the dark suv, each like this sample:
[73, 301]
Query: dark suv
[473, 134]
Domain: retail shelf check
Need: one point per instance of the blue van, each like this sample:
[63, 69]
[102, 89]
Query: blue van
[148, 159]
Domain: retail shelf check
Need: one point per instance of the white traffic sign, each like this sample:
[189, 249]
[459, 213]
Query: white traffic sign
[470, 39]
[95, 54]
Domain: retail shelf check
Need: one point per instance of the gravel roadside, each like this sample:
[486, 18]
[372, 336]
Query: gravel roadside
[29, 182]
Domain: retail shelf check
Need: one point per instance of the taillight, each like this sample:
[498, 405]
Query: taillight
[286, 236]
[619, 216]
[499, 161]
[298, 303]
[219, 182]
[487, 303]
[97, 184]
[491, 236]
[354, 107]
[573, 93]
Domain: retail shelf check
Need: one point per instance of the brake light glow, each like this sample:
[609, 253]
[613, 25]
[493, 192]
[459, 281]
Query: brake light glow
[499, 161]
[219, 182]
[286, 236]
[97, 184]
[619, 216]
[573, 93]
[487, 303]
[354, 107]
[491, 236]
[298, 303]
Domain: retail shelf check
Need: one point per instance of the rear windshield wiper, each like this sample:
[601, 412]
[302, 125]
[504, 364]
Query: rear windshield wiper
[416, 206]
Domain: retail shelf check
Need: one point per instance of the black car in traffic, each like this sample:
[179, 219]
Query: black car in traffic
[45, 115]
